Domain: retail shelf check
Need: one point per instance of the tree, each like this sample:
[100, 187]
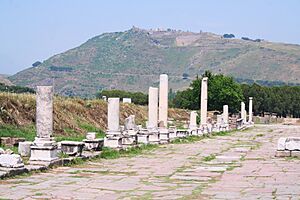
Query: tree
[221, 90]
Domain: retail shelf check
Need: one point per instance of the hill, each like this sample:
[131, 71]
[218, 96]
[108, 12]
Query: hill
[132, 60]
[72, 116]
[4, 80]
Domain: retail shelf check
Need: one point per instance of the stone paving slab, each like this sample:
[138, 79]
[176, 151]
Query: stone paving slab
[239, 166]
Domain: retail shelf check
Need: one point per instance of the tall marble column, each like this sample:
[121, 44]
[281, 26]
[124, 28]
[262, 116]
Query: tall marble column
[44, 147]
[163, 99]
[113, 115]
[153, 108]
[243, 112]
[193, 120]
[250, 109]
[204, 101]
[225, 114]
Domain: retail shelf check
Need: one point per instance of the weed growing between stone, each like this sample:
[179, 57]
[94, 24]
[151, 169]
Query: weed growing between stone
[209, 158]
[108, 153]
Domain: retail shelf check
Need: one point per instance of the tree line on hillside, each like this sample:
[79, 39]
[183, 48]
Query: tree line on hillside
[282, 100]
[15, 89]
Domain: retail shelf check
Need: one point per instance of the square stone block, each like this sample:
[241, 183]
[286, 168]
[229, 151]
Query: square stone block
[142, 139]
[11, 161]
[93, 145]
[129, 140]
[292, 143]
[113, 142]
[283, 153]
[72, 148]
[281, 144]
[154, 138]
[90, 136]
[182, 133]
[295, 154]
[24, 148]
[43, 153]
[172, 134]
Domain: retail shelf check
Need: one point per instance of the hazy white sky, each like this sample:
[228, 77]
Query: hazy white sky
[34, 30]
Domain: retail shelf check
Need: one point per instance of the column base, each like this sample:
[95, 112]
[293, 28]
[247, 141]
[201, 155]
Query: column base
[47, 154]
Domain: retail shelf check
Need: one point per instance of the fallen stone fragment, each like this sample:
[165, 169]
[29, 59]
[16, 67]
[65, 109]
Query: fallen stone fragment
[11, 161]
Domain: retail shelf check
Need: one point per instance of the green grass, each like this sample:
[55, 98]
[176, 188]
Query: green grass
[188, 139]
[108, 153]
[209, 158]
[222, 133]
[14, 149]
[27, 132]
[63, 155]
[74, 136]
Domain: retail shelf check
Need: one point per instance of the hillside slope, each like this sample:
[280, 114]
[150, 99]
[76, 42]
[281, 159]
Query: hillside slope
[4, 80]
[72, 116]
[132, 60]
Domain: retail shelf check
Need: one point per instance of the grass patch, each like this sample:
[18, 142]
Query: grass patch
[108, 153]
[14, 149]
[188, 139]
[260, 135]
[63, 155]
[27, 132]
[209, 158]
[222, 133]
[91, 128]
[38, 194]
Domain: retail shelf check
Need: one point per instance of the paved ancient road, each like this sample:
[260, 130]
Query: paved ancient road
[244, 168]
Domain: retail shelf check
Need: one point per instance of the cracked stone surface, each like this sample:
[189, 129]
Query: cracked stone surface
[237, 166]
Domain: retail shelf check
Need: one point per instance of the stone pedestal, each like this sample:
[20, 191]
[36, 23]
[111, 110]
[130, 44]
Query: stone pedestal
[93, 144]
[172, 133]
[43, 153]
[113, 142]
[164, 136]
[143, 137]
[154, 137]
[44, 148]
[181, 133]
[163, 99]
[72, 148]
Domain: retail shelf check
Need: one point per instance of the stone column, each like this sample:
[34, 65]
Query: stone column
[44, 147]
[243, 111]
[113, 115]
[163, 100]
[204, 101]
[193, 120]
[225, 114]
[153, 108]
[250, 109]
[44, 112]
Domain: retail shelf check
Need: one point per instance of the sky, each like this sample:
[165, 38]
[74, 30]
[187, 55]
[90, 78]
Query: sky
[34, 30]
